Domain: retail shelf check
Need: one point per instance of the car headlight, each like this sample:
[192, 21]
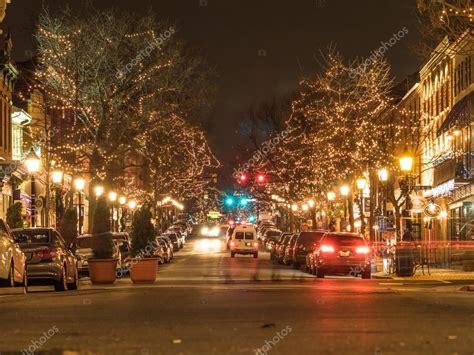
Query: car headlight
[204, 231]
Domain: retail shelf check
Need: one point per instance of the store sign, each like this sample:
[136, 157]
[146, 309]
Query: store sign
[443, 189]
[214, 214]
[432, 210]
[418, 204]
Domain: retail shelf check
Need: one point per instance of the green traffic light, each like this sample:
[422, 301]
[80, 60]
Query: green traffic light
[229, 201]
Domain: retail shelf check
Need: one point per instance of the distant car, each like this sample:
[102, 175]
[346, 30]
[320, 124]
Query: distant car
[244, 241]
[275, 249]
[123, 243]
[342, 253]
[175, 241]
[168, 242]
[305, 243]
[270, 237]
[50, 261]
[167, 250]
[288, 253]
[13, 266]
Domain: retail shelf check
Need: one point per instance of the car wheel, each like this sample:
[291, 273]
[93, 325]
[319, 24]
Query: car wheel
[61, 285]
[73, 285]
[255, 256]
[319, 273]
[366, 274]
[232, 254]
[10, 281]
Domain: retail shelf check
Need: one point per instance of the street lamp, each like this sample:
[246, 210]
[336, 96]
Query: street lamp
[33, 163]
[383, 174]
[311, 203]
[132, 204]
[331, 196]
[80, 184]
[99, 191]
[345, 190]
[57, 178]
[406, 163]
[122, 200]
[361, 184]
[294, 207]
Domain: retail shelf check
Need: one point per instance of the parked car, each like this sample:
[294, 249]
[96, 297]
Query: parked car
[84, 251]
[270, 237]
[13, 264]
[288, 253]
[175, 241]
[168, 242]
[306, 242]
[123, 243]
[167, 250]
[50, 261]
[342, 253]
[275, 251]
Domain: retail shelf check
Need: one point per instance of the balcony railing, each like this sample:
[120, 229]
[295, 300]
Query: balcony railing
[460, 169]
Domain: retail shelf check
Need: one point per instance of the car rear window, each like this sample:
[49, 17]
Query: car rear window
[310, 237]
[32, 237]
[239, 235]
[292, 240]
[249, 236]
[344, 240]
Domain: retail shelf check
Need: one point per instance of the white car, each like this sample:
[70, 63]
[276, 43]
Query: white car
[12, 260]
[244, 241]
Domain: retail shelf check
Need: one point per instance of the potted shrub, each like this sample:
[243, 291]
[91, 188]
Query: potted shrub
[14, 219]
[102, 268]
[144, 263]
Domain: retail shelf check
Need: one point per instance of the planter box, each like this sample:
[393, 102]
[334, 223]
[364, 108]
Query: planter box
[144, 270]
[102, 271]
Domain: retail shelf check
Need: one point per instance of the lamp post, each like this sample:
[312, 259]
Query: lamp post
[33, 163]
[345, 193]
[57, 178]
[80, 184]
[361, 184]
[331, 195]
[121, 224]
[99, 191]
[406, 166]
[113, 198]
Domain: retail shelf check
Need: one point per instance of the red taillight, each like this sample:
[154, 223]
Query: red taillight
[255, 245]
[232, 244]
[362, 250]
[45, 254]
[327, 249]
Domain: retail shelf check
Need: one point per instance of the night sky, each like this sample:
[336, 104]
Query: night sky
[260, 48]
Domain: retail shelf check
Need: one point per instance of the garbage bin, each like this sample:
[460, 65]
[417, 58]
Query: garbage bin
[404, 260]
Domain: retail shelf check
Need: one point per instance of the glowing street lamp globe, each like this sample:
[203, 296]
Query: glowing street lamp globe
[57, 176]
[383, 174]
[345, 190]
[79, 183]
[122, 200]
[32, 162]
[361, 183]
[99, 190]
[311, 203]
[132, 204]
[406, 163]
[112, 196]
[331, 196]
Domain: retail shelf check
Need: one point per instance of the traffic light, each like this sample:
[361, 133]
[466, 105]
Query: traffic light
[229, 201]
[261, 178]
[244, 201]
[243, 178]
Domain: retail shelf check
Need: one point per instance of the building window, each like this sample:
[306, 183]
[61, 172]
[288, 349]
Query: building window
[17, 142]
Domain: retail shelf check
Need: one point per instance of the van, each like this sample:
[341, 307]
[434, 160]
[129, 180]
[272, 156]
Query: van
[244, 241]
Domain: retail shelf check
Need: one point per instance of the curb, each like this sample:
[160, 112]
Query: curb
[12, 291]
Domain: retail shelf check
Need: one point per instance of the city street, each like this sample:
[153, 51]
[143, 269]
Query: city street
[209, 303]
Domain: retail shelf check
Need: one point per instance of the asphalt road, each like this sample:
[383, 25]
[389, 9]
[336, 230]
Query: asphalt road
[207, 303]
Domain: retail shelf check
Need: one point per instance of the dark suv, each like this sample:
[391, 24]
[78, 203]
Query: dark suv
[305, 244]
[342, 253]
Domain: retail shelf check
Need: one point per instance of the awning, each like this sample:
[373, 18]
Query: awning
[459, 115]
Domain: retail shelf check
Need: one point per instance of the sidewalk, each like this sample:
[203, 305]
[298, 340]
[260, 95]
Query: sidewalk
[435, 274]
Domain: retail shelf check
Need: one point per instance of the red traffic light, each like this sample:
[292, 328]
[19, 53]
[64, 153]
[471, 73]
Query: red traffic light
[261, 178]
[243, 178]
